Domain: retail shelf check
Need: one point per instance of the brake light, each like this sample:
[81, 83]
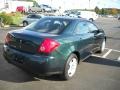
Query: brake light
[7, 38]
[48, 45]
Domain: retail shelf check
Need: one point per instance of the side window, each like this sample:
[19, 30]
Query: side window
[31, 16]
[34, 16]
[92, 27]
[82, 28]
[37, 16]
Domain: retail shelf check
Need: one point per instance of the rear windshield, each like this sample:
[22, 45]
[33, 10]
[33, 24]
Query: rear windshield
[49, 25]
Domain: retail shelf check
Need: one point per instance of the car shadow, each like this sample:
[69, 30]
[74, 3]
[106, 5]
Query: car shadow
[102, 61]
[11, 73]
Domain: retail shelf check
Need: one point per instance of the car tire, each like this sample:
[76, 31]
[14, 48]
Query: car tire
[102, 46]
[91, 19]
[25, 23]
[70, 67]
[119, 18]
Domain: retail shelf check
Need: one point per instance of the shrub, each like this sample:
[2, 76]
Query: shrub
[6, 18]
[16, 18]
[11, 18]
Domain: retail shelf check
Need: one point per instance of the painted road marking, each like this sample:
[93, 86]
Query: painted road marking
[96, 55]
[113, 50]
[107, 53]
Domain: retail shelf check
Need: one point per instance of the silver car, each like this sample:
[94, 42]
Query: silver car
[31, 18]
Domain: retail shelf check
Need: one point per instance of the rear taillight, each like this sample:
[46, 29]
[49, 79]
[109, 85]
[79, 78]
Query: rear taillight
[7, 38]
[48, 45]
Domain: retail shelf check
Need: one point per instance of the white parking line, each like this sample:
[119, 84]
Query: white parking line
[107, 53]
[96, 55]
[112, 49]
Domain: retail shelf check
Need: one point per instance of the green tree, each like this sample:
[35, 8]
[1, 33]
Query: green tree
[102, 11]
[97, 10]
[114, 11]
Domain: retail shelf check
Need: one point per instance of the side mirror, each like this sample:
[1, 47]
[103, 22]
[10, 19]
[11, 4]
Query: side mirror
[96, 31]
[100, 29]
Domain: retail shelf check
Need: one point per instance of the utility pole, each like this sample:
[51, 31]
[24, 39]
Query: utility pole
[89, 4]
[51, 3]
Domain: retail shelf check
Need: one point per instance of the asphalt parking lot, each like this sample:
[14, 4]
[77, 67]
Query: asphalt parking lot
[99, 72]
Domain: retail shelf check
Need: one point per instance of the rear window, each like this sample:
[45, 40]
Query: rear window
[49, 25]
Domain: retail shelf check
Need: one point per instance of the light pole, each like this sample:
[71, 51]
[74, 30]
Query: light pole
[51, 2]
[89, 4]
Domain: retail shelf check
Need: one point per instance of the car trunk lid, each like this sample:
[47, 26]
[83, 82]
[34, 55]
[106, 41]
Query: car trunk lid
[26, 40]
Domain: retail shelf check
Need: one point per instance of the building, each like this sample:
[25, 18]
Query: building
[11, 5]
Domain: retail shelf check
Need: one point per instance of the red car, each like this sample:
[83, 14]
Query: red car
[20, 9]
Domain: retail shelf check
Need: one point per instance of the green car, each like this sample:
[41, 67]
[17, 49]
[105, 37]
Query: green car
[53, 45]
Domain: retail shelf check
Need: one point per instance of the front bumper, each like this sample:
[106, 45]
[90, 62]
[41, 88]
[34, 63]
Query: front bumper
[37, 64]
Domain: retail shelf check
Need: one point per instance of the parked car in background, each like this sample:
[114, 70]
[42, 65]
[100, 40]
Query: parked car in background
[31, 18]
[53, 45]
[89, 15]
[42, 8]
[46, 8]
[21, 9]
[73, 15]
[35, 9]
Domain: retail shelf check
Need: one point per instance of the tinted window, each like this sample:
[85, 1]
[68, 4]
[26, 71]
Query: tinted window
[82, 28]
[92, 27]
[34, 16]
[38, 16]
[49, 25]
[31, 16]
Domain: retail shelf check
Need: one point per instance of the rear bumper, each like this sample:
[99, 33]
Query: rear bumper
[43, 65]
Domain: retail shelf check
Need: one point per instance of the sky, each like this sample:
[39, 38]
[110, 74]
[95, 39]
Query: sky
[82, 4]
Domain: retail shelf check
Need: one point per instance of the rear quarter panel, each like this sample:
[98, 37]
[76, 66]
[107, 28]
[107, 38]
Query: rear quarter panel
[68, 44]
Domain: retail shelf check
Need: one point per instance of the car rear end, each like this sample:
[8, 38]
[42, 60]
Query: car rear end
[32, 54]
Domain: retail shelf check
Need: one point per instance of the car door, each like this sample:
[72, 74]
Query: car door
[85, 39]
[98, 35]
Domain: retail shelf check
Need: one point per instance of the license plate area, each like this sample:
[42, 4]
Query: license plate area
[18, 58]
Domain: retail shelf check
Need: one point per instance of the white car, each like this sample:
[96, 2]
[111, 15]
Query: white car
[35, 9]
[89, 15]
[46, 8]
[73, 15]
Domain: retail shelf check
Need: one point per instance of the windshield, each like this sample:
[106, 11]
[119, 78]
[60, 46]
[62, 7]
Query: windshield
[49, 25]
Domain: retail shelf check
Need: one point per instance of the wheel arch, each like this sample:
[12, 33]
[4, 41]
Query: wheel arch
[105, 38]
[77, 54]
[25, 21]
